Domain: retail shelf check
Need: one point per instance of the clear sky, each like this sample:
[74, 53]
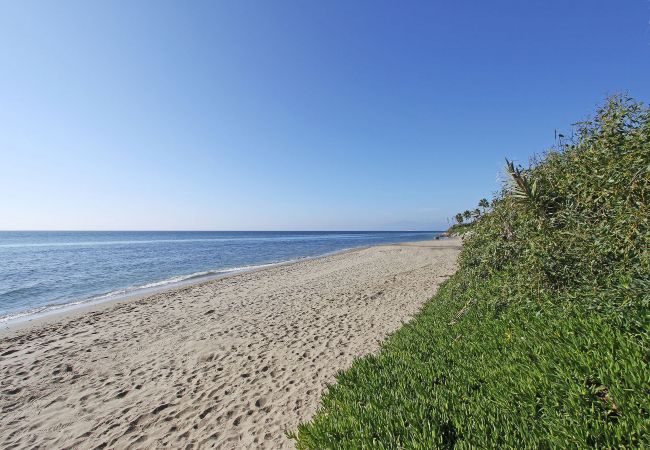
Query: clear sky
[292, 115]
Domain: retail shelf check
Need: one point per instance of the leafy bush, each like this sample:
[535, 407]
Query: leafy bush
[459, 229]
[542, 337]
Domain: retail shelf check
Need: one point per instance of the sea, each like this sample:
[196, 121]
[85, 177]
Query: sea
[50, 271]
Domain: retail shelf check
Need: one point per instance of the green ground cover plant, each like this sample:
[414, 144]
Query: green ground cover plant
[542, 337]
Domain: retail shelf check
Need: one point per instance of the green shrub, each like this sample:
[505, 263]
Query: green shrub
[458, 229]
[541, 339]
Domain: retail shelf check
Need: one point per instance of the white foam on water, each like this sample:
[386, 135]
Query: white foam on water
[124, 293]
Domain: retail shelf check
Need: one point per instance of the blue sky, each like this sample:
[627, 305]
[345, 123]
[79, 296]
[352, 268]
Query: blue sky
[290, 115]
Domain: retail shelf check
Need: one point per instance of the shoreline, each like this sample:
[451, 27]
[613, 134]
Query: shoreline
[231, 362]
[101, 301]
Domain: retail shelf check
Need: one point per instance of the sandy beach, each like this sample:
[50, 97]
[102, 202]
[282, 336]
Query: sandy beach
[229, 363]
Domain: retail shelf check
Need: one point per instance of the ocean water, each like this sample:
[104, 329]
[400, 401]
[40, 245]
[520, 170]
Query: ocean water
[49, 271]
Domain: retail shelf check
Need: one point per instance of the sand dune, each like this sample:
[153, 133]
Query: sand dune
[229, 363]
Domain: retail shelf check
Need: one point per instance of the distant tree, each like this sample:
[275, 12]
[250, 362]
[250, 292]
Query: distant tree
[467, 214]
[477, 213]
[484, 203]
[459, 218]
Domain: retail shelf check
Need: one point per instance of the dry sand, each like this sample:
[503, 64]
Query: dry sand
[229, 363]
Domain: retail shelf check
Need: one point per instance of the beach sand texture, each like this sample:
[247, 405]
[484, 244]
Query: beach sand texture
[229, 363]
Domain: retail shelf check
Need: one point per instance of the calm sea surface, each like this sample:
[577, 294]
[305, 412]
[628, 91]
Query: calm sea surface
[47, 271]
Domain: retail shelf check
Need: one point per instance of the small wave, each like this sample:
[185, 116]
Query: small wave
[198, 275]
[152, 287]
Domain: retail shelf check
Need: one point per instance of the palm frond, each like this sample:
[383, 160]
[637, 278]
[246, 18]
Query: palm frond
[520, 186]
